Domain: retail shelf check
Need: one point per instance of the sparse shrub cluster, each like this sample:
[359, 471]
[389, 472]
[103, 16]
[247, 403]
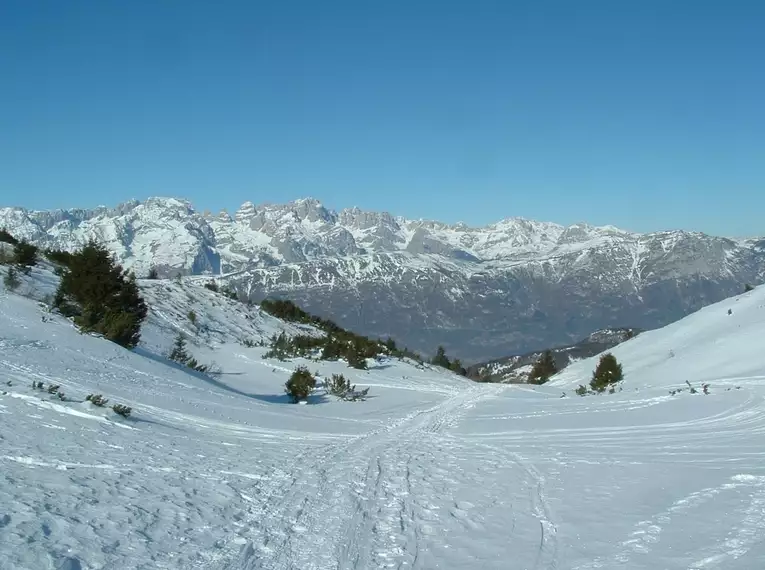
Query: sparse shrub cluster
[53, 389]
[543, 368]
[342, 388]
[100, 401]
[212, 286]
[338, 339]
[100, 296]
[692, 389]
[300, 384]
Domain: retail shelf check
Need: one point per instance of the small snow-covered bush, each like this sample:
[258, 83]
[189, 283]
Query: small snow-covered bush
[123, 411]
[96, 400]
[300, 385]
[342, 388]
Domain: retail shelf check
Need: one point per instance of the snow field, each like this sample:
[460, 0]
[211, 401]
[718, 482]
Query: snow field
[432, 471]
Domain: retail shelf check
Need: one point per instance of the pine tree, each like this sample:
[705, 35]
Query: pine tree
[179, 353]
[153, 273]
[101, 296]
[25, 255]
[11, 279]
[440, 359]
[543, 368]
[608, 372]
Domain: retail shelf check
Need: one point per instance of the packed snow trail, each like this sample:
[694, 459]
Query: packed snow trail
[387, 499]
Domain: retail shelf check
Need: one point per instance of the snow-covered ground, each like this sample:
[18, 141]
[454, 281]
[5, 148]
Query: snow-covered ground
[432, 471]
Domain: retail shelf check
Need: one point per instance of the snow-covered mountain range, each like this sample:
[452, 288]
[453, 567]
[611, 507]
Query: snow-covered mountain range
[509, 287]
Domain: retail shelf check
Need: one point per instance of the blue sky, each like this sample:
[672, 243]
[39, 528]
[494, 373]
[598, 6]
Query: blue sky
[646, 114]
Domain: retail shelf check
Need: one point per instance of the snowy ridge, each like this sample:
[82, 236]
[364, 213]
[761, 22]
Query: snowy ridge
[432, 471]
[510, 287]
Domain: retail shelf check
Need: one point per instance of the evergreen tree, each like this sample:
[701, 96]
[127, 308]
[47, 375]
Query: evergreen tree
[355, 356]
[300, 384]
[440, 359]
[101, 296]
[543, 368]
[179, 353]
[153, 273]
[748, 288]
[11, 279]
[608, 372]
[457, 368]
[25, 255]
[7, 238]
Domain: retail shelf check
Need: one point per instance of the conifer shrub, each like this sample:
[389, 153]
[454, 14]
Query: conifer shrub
[24, 255]
[100, 296]
[11, 279]
[6, 237]
[153, 273]
[608, 372]
[748, 288]
[122, 410]
[543, 368]
[300, 384]
[96, 400]
[342, 389]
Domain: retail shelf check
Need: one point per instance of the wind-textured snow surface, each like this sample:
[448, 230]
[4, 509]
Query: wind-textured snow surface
[432, 471]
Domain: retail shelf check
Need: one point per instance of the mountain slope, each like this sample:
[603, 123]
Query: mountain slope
[433, 471]
[516, 368]
[509, 287]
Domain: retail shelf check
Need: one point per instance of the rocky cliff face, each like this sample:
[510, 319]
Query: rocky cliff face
[509, 287]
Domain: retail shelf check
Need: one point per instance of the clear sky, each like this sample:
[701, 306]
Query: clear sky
[645, 114]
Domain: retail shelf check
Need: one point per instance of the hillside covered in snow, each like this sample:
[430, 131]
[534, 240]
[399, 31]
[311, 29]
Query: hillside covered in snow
[482, 292]
[431, 471]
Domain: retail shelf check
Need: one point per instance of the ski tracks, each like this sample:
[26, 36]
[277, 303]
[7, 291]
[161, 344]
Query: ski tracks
[351, 505]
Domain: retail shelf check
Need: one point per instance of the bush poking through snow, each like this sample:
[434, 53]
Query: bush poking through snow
[11, 279]
[192, 317]
[96, 400]
[300, 385]
[153, 273]
[581, 391]
[607, 373]
[342, 388]
[748, 288]
[123, 411]
[53, 388]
